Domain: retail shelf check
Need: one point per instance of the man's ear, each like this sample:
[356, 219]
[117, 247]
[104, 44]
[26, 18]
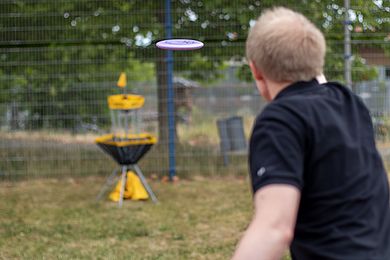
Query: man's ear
[257, 74]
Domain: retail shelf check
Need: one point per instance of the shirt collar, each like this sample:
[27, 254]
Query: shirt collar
[297, 87]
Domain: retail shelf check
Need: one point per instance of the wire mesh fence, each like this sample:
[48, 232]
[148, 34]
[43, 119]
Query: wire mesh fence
[59, 60]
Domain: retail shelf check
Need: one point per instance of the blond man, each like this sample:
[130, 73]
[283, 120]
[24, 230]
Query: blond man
[318, 180]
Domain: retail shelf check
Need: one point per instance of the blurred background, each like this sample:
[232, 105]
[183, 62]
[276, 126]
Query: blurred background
[59, 60]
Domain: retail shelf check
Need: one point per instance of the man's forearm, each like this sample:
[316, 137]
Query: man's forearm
[262, 243]
[271, 230]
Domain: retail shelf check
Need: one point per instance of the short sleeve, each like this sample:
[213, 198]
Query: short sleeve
[276, 151]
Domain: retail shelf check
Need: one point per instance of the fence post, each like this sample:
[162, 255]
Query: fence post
[347, 46]
[171, 96]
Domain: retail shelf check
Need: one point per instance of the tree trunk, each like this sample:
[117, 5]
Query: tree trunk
[162, 90]
[162, 97]
[14, 116]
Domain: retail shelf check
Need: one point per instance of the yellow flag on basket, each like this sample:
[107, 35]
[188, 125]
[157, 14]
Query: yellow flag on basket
[122, 81]
[134, 189]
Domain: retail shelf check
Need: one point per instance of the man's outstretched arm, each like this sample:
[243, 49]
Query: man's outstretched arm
[272, 228]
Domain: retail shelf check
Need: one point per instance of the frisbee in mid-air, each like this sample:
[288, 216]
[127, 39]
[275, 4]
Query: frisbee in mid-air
[179, 44]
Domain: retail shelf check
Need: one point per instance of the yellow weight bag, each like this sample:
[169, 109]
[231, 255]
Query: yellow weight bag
[134, 189]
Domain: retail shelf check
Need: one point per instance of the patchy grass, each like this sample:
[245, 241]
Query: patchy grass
[37, 154]
[59, 219]
[28, 155]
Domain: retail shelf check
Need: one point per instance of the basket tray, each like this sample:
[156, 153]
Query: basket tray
[126, 151]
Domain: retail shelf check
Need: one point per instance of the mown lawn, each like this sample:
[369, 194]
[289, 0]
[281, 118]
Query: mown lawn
[59, 219]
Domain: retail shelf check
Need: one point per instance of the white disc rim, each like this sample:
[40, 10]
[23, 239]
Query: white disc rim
[179, 44]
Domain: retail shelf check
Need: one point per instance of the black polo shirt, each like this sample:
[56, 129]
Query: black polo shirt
[319, 138]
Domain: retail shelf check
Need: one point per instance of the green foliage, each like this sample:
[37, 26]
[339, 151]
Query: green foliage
[369, 27]
[244, 73]
[203, 69]
[361, 71]
[56, 54]
[64, 73]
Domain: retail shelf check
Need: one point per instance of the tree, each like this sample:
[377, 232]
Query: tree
[57, 53]
[55, 56]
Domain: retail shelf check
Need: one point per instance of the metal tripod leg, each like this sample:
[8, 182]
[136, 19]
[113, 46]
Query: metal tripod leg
[107, 184]
[146, 185]
[124, 172]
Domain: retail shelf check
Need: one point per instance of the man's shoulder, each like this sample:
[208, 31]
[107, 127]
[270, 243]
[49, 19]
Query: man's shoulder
[329, 92]
[288, 112]
[322, 103]
[287, 106]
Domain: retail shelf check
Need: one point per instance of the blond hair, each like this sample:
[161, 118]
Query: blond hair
[286, 46]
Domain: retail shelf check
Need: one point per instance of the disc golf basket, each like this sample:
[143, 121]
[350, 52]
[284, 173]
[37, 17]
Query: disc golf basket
[126, 144]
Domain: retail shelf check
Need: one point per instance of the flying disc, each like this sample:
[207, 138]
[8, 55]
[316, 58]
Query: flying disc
[179, 44]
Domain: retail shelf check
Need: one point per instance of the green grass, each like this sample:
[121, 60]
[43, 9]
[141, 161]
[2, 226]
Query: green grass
[59, 219]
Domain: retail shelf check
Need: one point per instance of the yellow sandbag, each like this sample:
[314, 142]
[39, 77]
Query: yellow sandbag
[133, 189]
[134, 185]
[116, 193]
[114, 196]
